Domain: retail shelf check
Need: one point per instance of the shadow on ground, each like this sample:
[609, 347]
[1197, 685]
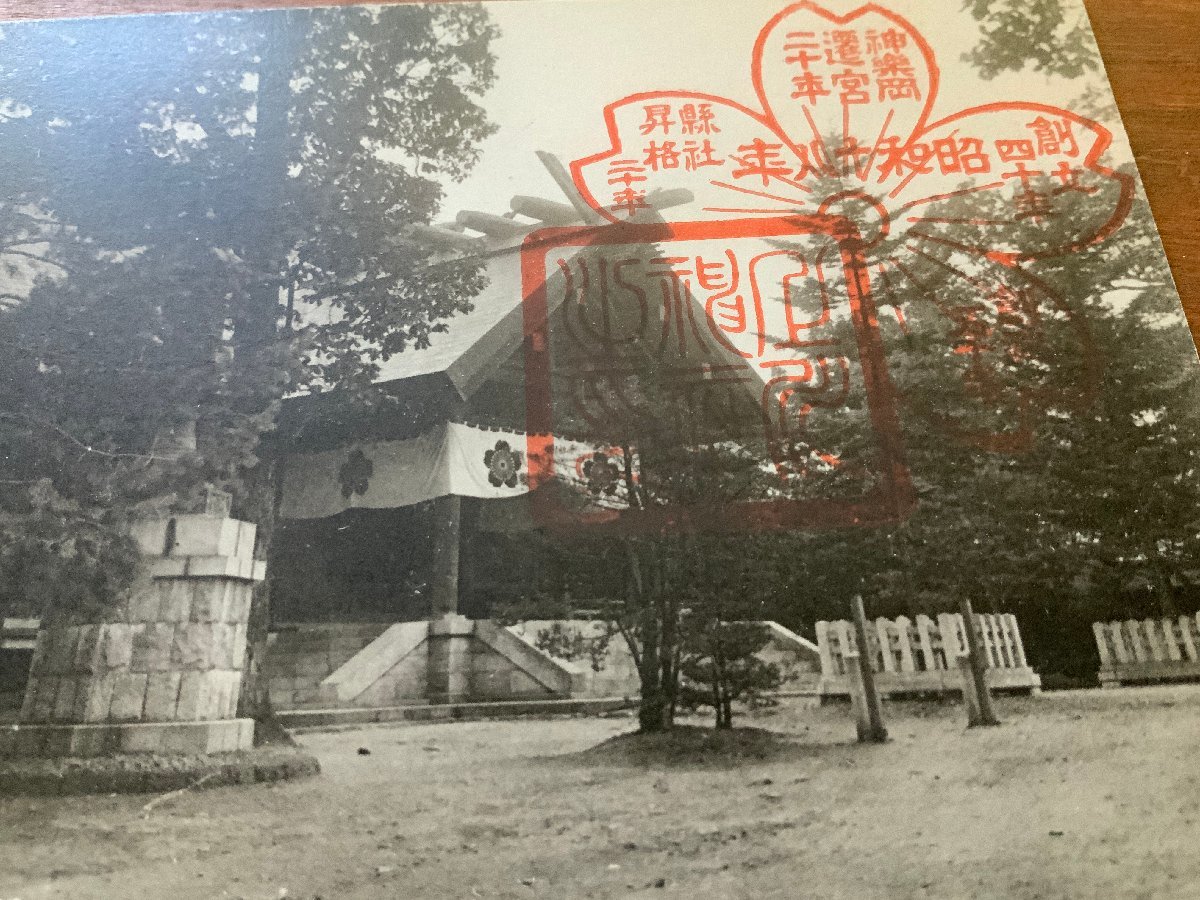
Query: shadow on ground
[694, 747]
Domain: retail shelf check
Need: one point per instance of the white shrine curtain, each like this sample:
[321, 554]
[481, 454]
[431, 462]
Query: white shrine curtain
[454, 458]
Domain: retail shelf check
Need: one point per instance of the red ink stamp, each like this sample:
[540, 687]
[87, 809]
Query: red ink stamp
[744, 340]
[941, 213]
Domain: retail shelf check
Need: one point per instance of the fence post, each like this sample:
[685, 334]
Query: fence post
[970, 692]
[923, 625]
[1003, 647]
[1150, 629]
[1019, 659]
[873, 718]
[825, 651]
[1170, 641]
[842, 629]
[1120, 644]
[987, 714]
[1186, 626]
[1141, 652]
[887, 657]
[905, 644]
[1100, 630]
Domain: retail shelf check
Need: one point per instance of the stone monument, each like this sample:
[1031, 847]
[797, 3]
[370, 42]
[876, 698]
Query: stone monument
[159, 672]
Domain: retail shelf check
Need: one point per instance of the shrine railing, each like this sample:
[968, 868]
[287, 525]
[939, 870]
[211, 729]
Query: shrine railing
[1150, 650]
[917, 656]
[18, 634]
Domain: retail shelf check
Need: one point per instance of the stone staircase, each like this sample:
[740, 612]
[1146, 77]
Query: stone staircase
[449, 660]
[455, 660]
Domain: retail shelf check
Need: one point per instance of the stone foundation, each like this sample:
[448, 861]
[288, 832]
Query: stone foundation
[449, 660]
[160, 673]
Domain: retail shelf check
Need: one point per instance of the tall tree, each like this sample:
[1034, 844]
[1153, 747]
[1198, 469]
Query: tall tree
[1044, 35]
[201, 215]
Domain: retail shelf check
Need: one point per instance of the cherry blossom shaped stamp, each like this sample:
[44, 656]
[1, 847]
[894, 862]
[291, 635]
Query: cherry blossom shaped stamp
[951, 203]
[845, 190]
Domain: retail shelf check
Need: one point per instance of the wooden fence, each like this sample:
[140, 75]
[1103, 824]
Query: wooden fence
[1134, 652]
[919, 656]
[18, 634]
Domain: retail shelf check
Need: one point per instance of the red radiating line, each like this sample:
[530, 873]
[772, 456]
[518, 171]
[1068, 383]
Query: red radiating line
[952, 194]
[845, 130]
[734, 187]
[875, 149]
[817, 134]
[930, 295]
[798, 185]
[901, 318]
[953, 245]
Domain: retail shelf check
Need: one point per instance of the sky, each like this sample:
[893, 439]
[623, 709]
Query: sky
[561, 61]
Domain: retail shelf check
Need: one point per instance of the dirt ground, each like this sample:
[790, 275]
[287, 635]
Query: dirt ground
[1081, 795]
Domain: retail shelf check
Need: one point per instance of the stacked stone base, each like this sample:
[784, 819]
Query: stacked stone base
[104, 739]
[158, 673]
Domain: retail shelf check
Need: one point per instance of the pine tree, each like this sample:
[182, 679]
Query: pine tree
[189, 239]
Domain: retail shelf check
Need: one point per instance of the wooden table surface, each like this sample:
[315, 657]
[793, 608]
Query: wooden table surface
[1151, 49]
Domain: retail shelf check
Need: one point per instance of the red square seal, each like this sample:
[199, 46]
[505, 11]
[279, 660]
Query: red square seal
[654, 350]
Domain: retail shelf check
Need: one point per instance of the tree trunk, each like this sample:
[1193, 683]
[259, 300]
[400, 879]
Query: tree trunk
[652, 717]
[256, 315]
[1165, 589]
[653, 708]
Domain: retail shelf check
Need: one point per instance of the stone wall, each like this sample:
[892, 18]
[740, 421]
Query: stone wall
[615, 674]
[299, 657]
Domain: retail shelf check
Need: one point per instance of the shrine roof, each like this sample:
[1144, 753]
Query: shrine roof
[472, 340]
[477, 342]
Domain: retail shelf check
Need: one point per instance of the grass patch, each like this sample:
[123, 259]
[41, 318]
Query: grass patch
[694, 746]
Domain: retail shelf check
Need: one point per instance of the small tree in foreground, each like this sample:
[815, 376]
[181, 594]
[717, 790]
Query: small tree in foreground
[720, 666]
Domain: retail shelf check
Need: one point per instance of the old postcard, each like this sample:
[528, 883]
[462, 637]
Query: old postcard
[551, 442]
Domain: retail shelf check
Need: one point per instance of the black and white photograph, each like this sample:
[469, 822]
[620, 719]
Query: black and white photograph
[588, 449]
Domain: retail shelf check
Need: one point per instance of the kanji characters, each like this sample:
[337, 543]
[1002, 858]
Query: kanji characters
[899, 159]
[888, 41]
[1069, 176]
[850, 87]
[661, 156]
[668, 155]
[718, 275]
[762, 160]
[809, 86]
[697, 155]
[629, 200]
[852, 154]
[1029, 202]
[801, 49]
[1053, 138]
[843, 48]
[680, 331]
[628, 196]
[697, 118]
[658, 116]
[961, 155]
[1020, 150]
